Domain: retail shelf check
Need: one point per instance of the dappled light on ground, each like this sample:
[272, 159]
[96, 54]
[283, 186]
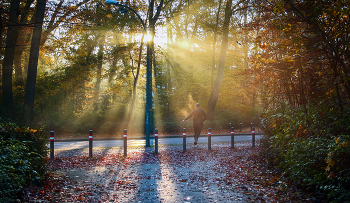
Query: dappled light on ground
[198, 175]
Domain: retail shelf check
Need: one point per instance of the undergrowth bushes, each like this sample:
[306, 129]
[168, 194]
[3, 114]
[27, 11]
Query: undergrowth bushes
[310, 145]
[22, 160]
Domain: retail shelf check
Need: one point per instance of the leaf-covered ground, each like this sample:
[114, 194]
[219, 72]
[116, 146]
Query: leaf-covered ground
[198, 175]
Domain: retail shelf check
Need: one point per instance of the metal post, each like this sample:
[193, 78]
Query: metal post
[209, 138]
[52, 145]
[184, 139]
[232, 137]
[240, 125]
[253, 136]
[149, 99]
[251, 126]
[125, 143]
[148, 116]
[90, 143]
[156, 141]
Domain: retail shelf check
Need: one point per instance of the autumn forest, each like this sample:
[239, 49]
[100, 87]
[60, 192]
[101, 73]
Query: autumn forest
[283, 65]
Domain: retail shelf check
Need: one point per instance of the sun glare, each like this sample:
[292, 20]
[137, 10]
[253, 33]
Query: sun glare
[158, 40]
[147, 37]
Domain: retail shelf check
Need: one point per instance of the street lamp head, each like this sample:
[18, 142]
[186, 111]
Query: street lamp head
[123, 10]
[111, 2]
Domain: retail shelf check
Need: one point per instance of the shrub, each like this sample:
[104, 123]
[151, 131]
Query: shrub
[310, 146]
[338, 169]
[22, 160]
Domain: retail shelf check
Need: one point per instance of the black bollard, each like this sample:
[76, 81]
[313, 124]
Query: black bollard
[184, 139]
[253, 136]
[209, 138]
[125, 143]
[52, 145]
[232, 137]
[156, 141]
[90, 143]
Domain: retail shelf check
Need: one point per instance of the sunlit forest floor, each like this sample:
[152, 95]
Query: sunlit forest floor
[198, 175]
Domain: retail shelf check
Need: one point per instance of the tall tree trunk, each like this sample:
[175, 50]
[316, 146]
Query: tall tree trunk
[19, 76]
[18, 67]
[99, 72]
[23, 40]
[33, 62]
[150, 47]
[1, 26]
[136, 78]
[11, 41]
[214, 45]
[221, 67]
[169, 84]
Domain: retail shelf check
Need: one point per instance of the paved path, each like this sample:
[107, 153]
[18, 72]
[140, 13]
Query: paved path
[171, 176]
[141, 142]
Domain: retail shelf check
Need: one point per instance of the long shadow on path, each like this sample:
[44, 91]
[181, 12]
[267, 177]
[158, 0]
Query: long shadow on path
[175, 176]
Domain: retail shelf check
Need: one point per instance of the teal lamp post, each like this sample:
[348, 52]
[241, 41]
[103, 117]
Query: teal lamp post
[149, 99]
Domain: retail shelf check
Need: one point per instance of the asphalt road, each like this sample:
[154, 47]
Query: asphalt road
[66, 144]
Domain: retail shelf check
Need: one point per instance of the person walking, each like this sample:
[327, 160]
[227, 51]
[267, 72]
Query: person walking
[199, 117]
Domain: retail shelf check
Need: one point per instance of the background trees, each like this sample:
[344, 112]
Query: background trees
[11, 40]
[302, 64]
[241, 59]
[91, 65]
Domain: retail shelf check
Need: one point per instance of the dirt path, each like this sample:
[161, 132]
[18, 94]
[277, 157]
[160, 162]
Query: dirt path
[198, 175]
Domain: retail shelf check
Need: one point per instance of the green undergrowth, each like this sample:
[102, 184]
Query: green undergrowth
[22, 160]
[310, 146]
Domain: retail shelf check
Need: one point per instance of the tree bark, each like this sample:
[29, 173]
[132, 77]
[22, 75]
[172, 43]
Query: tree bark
[214, 45]
[1, 26]
[23, 40]
[99, 72]
[33, 62]
[11, 41]
[221, 67]
[150, 49]
[134, 88]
